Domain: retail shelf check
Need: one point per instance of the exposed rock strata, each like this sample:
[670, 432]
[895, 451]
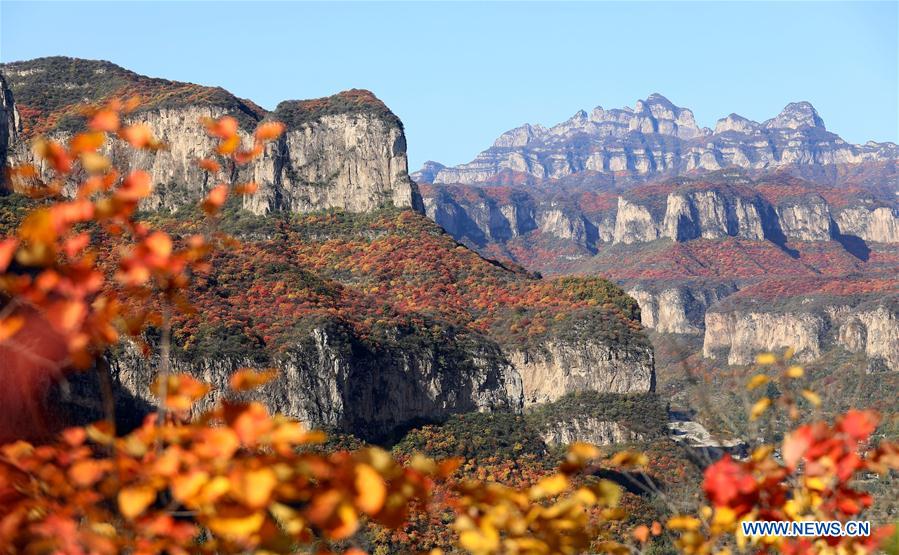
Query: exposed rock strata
[871, 328]
[657, 138]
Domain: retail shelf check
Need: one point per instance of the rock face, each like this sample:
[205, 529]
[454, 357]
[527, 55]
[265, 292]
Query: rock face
[347, 151]
[9, 122]
[331, 379]
[871, 327]
[724, 205]
[679, 309]
[657, 138]
[588, 430]
[582, 363]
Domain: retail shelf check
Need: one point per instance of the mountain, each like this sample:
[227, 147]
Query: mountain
[377, 318]
[346, 151]
[655, 139]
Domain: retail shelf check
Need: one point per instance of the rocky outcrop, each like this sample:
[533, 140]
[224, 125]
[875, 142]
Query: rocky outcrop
[347, 151]
[333, 379]
[879, 224]
[588, 430]
[579, 360]
[872, 328]
[9, 123]
[657, 138]
[808, 220]
[678, 309]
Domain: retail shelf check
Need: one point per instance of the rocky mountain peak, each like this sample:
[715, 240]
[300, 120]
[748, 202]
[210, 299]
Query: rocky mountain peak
[796, 115]
[520, 136]
[428, 171]
[736, 122]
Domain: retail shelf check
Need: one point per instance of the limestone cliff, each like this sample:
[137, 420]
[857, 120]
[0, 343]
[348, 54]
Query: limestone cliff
[333, 379]
[584, 358]
[657, 138]
[678, 309]
[347, 151]
[9, 123]
[736, 334]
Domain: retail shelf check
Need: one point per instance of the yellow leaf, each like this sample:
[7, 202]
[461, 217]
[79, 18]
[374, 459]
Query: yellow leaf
[795, 372]
[186, 486]
[756, 381]
[93, 162]
[765, 358]
[134, 500]
[254, 487]
[688, 523]
[608, 492]
[549, 486]
[236, 523]
[759, 408]
[811, 397]
[371, 491]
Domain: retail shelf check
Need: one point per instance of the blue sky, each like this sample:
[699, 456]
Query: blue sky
[459, 74]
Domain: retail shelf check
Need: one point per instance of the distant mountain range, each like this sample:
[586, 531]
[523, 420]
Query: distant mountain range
[657, 139]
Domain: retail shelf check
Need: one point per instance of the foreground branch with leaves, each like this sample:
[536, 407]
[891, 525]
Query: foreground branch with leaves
[83, 274]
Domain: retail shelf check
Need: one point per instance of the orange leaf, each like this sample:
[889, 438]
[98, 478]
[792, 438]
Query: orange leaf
[254, 487]
[104, 120]
[215, 199]
[55, 154]
[223, 128]
[248, 188]
[66, 315]
[236, 523]
[641, 533]
[371, 491]
[139, 136]
[10, 326]
[228, 146]
[135, 187]
[7, 251]
[269, 130]
[86, 473]
[134, 500]
[76, 244]
[159, 243]
[181, 391]
[247, 378]
[87, 142]
[209, 165]
[859, 424]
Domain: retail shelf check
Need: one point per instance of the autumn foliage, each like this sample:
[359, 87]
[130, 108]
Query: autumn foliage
[83, 273]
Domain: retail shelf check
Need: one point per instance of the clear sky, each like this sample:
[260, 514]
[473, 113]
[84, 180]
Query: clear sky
[459, 74]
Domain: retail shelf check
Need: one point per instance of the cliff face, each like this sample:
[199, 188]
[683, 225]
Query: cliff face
[724, 205]
[870, 327]
[657, 138]
[347, 151]
[559, 367]
[680, 309]
[333, 379]
[9, 122]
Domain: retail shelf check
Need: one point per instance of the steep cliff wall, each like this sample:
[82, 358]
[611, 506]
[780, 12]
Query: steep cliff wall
[584, 357]
[347, 151]
[334, 379]
[9, 123]
[870, 327]
[679, 309]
